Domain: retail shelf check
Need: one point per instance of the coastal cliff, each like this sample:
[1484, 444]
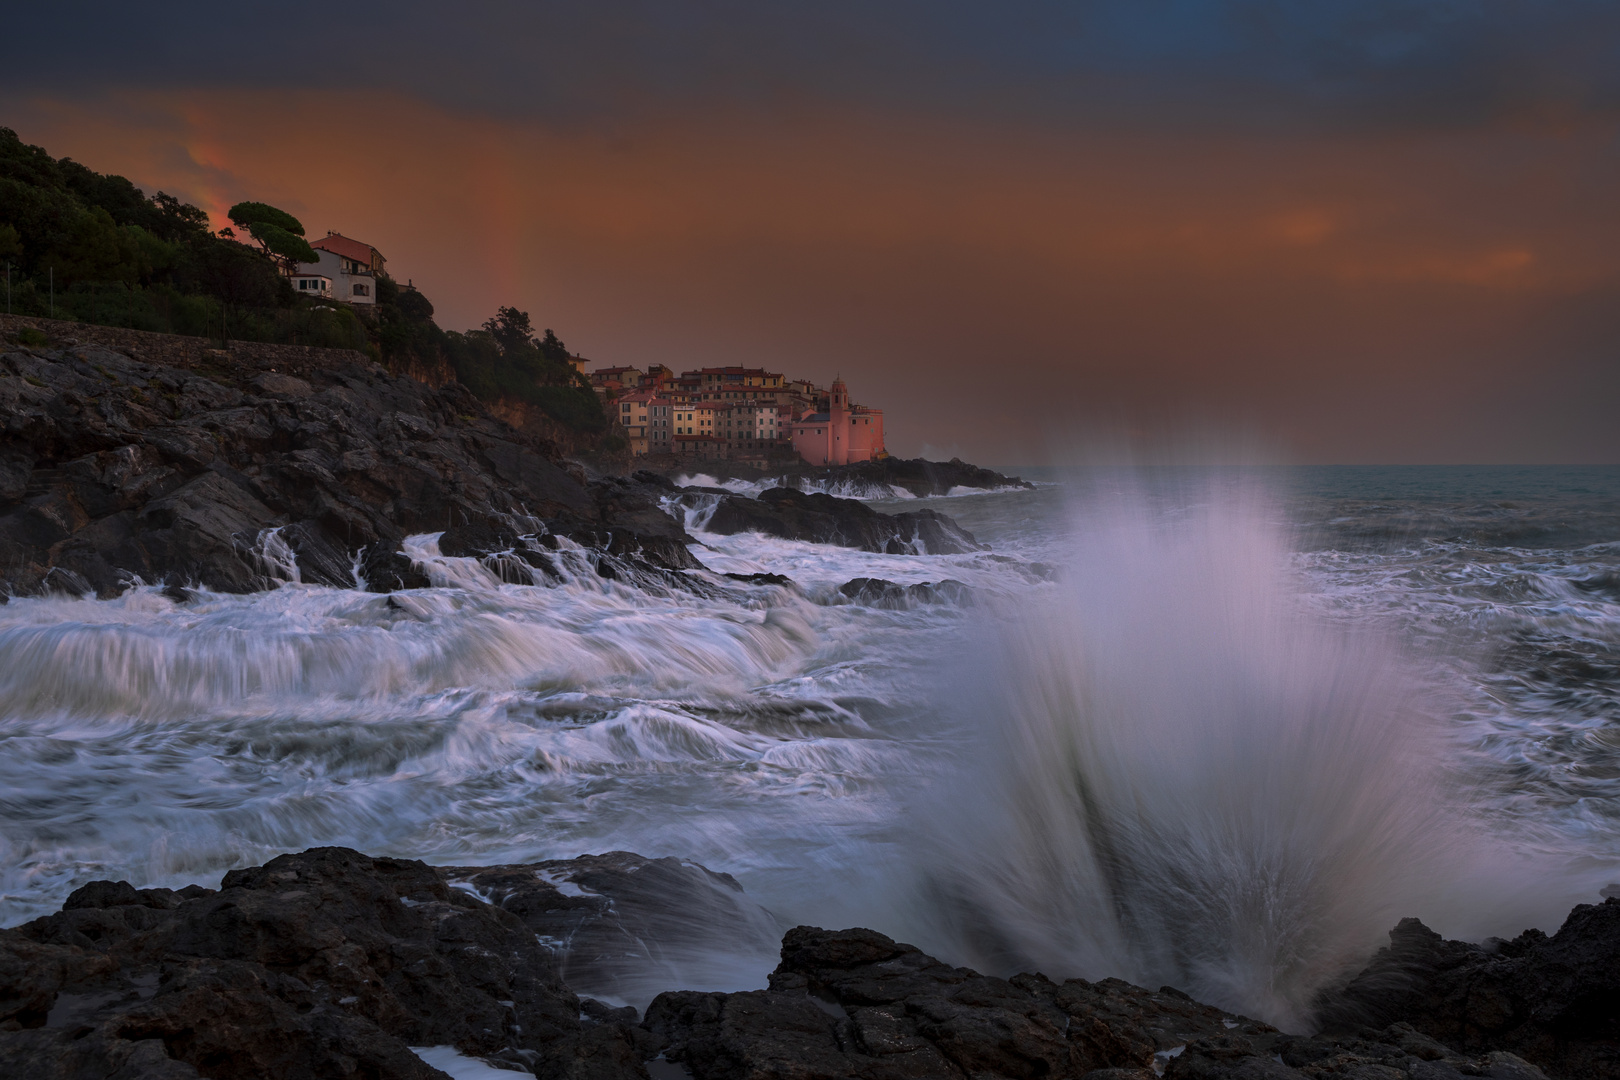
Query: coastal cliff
[130, 457]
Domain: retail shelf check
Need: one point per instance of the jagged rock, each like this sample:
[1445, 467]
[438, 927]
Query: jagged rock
[916, 475]
[632, 926]
[384, 569]
[761, 579]
[1554, 1000]
[477, 538]
[113, 467]
[333, 963]
[325, 963]
[823, 519]
[854, 1003]
[881, 592]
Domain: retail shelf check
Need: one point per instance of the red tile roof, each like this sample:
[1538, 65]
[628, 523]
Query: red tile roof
[345, 248]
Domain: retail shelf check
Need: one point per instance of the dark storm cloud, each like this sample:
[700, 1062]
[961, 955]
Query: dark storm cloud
[1377, 230]
[1384, 63]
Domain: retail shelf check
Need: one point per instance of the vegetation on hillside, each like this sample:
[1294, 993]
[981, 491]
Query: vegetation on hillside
[77, 244]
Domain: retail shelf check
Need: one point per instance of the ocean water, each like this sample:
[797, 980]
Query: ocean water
[1207, 728]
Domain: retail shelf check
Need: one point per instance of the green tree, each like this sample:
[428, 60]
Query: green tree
[10, 243]
[552, 348]
[279, 233]
[511, 329]
[95, 249]
[244, 214]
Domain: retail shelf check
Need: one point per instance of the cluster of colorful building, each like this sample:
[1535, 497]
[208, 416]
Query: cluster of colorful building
[738, 414]
[710, 414]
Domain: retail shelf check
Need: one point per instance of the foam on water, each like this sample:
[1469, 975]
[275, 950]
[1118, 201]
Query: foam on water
[1194, 754]
[1184, 775]
[473, 721]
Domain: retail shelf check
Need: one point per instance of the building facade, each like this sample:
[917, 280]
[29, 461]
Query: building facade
[648, 421]
[344, 269]
[842, 435]
[738, 413]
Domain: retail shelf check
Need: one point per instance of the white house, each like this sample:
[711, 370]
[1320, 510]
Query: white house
[312, 284]
[344, 270]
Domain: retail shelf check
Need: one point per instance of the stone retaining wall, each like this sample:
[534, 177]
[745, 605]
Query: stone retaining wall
[181, 350]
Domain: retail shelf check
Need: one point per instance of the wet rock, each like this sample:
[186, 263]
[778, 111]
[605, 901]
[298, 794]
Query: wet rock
[761, 579]
[918, 476]
[476, 538]
[625, 926]
[385, 570]
[1554, 1000]
[880, 592]
[854, 1003]
[325, 963]
[823, 519]
[114, 467]
[857, 1003]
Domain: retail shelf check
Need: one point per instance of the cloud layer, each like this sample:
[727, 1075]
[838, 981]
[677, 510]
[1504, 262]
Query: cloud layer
[1365, 231]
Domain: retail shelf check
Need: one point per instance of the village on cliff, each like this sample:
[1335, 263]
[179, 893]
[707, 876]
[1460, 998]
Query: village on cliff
[738, 414]
[746, 415]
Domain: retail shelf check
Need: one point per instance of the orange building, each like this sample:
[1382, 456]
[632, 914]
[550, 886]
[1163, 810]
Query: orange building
[648, 422]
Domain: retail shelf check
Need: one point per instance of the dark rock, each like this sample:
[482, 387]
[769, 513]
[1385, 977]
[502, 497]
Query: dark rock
[333, 963]
[114, 467]
[630, 520]
[854, 1003]
[386, 570]
[880, 592]
[326, 963]
[823, 519]
[632, 926]
[476, 538]
[874, 479]
[1553, 1000]
[857, 1003]
[761, 579]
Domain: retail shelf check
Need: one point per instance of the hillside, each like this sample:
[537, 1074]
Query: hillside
[155, 456]
[94, 248]
[130, 457]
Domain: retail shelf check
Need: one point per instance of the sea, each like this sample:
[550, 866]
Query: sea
[1216, 728]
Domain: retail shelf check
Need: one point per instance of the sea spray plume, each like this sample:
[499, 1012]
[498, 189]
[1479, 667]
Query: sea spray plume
[1183, 778]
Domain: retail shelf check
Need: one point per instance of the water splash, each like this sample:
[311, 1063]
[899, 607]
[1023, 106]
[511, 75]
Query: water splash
[1181, 777]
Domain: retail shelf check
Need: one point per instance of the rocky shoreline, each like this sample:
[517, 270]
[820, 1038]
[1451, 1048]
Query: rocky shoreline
[237, 471]
[333, 963]
[916, 476]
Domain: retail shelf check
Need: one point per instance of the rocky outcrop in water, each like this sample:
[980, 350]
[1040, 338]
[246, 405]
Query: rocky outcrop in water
[331, 963]
[918, 476]
[233, 472]
[883, 593]
[822, 519]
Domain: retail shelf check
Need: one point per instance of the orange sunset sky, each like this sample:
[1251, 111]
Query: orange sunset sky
[1369, 233]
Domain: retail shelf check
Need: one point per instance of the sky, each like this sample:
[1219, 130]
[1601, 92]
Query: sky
[1369, 231]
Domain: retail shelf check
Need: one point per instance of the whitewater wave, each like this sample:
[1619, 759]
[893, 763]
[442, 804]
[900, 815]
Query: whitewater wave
[843, 489]
[1181, 775]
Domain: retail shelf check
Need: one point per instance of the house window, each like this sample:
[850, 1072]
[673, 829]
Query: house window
[362, 290]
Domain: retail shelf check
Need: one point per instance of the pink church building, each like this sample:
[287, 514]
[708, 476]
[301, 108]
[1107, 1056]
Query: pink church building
[842, 435]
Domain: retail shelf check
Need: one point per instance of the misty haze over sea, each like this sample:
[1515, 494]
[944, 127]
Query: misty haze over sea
[1212, 728]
